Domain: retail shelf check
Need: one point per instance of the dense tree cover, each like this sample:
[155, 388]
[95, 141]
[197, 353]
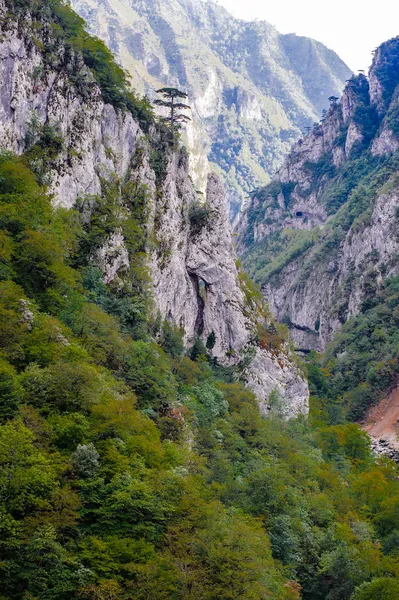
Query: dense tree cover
[129, 470]
[361, 363]
[97, 499]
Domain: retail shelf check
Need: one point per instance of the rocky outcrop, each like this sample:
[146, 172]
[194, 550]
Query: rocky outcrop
[97, 138]
[252, 90]
[316, 294]
[113, 258]
[196, 284]
[192, 261]
[384, 75]
[331, 186]
[385, 143]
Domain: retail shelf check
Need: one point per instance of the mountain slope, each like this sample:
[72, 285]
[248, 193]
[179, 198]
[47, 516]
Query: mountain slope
[322, 237]
[131, 466]
[251, 89]
[154, 241]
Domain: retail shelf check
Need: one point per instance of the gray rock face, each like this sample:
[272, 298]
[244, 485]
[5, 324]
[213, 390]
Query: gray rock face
[195, 281]
[318, 301]
[113, 258]
[322, 279]
[385, 143]
[292, 185]
[251, 89]
[196, 284]
[97, 138]
[266, 375]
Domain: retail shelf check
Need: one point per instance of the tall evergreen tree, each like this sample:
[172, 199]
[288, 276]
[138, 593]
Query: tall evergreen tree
[172, 101]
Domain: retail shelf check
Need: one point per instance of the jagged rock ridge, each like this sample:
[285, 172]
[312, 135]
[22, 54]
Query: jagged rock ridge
[194, 275]
[324, 235]
[251, 89]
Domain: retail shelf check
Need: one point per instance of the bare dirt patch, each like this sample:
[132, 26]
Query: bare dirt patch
[382, 420]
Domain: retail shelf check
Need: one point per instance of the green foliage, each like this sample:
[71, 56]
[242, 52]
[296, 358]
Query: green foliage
[199, 216]
[268, 258]
[128, 470]
[28, 477]
[211, 341]
[148, 373]
[172, 99]
[392, 119]
[361, 363]
[338, 191]
[69, 430]
[198, 350]
[171, 339]
[323, 168]
[378, 589]
[208, 403]
[85, 460]
[386, 69]
[121, 209]
[10, 390]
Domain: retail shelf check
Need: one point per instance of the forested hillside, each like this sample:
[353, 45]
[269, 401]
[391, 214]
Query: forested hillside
[130, 468]
[131, 465]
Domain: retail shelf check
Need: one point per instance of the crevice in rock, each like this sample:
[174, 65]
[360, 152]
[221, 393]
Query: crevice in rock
[303, 328]
[199, 286]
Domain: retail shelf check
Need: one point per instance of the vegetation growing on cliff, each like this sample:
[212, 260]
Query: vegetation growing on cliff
[252, 100]
[361, 363]
[130, 470]
[63, 29]
[350, 197]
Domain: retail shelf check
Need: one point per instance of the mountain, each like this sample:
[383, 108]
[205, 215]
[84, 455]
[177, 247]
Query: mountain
[322, 238]
[252, 89]
[109, 160]
[134, 462]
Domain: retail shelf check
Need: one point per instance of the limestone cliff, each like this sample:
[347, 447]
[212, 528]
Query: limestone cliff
[195, 281]
[324, 234]
[251, 88]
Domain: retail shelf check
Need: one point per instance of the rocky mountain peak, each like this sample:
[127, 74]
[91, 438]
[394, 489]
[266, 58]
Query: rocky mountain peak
[384, 75]
[356, 92]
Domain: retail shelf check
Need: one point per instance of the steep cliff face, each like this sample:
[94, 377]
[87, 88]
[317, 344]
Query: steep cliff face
[323, 236]
[251, 89]
[197, 285]
[195, 282]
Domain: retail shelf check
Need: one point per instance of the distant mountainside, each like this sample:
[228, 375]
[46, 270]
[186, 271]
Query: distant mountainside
[322, 238]
[251, 89]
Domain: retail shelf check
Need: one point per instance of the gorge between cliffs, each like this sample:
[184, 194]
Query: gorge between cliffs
[198, 326]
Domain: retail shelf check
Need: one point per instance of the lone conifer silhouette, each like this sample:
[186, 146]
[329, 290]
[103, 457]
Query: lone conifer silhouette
[172, 101]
